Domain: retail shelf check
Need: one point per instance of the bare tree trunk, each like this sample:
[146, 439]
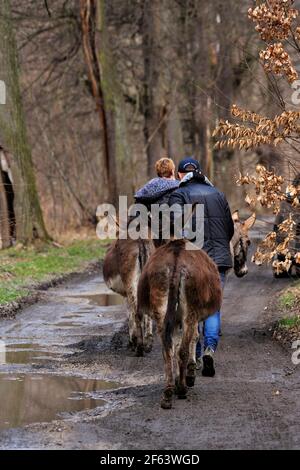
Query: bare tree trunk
[175, 146]
[155, 107]
[107, 94]
[225, 80]
[5, 240]
[114, 104]
[88, 25]
[202, 73]
[13, 136]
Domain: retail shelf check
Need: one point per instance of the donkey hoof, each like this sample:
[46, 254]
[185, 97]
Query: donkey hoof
[148, 346]
[139, 350]
[166, 399]
[166, 404]
[182, 395]
[191, 374]
[180, 390]
[190, 381]
[132, 344]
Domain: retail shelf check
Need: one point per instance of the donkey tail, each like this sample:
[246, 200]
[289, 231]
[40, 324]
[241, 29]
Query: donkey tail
[173, 297]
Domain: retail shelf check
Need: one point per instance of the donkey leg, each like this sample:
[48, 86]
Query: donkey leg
[148, 333]
[131, 304]
[166, 399]
[181, 388]
[191, 367]
[184, 353]
[139, 333]
[177, 343]
[131, 289]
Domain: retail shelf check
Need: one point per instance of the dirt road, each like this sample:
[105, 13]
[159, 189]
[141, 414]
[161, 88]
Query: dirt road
[253, 401]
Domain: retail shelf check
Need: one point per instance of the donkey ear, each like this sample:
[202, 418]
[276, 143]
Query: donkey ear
[235, 216]
[250, 222]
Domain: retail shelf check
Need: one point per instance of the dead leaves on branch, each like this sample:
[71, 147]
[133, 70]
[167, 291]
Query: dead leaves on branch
[270, 251]
[277, 60]
[275, 22]
[267, 189]
[268, 192]
[282, 266]
[293, 195]
[254, 130]
[274, 19]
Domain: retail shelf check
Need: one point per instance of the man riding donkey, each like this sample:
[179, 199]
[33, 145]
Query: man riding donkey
[195, 188]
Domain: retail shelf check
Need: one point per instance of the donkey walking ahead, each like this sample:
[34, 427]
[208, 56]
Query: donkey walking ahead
[178, 288]
[123, 264]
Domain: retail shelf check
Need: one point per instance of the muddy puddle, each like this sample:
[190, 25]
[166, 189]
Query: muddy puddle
[30, 398]
[34, 343]
[25, 353]
[102, 300]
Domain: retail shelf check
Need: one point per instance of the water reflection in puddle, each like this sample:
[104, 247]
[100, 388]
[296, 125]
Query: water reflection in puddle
[25, 353]
[103, 300]
[27, 399]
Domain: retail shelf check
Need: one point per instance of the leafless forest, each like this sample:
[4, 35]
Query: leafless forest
[98, 90]
[92, 94]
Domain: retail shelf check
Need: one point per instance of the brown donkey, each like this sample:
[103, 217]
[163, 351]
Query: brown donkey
[178, 288]
[240, 243]
[123, 264]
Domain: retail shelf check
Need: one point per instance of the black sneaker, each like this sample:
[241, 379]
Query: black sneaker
[208, 369]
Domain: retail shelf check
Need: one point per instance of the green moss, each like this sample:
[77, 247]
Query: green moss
[287, 300]
[11, 293]
[20, 270]
[291, 322]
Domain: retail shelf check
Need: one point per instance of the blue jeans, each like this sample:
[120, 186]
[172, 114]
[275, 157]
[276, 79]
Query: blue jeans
[211, 327]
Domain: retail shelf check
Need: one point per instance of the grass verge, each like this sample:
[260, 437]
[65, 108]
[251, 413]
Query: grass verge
[22, 270]
[287, 329]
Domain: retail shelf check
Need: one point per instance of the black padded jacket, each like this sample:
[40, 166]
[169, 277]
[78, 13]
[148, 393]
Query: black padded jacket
[218, 223]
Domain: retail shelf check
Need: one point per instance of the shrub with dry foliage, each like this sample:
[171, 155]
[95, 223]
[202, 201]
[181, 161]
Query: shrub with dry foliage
[276, 23]
[268, 193]
[278, 61]
[268, 189]
[256, 129]
[274, 19]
